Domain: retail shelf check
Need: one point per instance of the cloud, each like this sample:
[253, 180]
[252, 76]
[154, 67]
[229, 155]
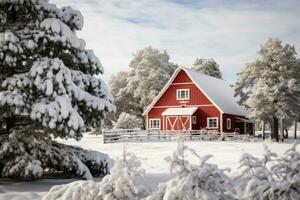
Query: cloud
[228, 31]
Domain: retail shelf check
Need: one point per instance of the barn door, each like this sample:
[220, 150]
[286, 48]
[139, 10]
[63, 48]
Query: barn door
[178, 123]
[184, 123]
[172, 123]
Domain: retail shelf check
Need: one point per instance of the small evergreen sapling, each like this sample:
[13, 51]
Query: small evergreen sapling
[194, 182]
[256, 179]
[120, 184]
[271, 177]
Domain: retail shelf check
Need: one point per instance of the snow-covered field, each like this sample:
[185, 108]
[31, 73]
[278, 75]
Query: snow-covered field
[152, 155]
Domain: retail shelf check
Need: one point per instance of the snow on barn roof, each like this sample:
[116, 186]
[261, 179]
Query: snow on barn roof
[216, 90]
[180, 111]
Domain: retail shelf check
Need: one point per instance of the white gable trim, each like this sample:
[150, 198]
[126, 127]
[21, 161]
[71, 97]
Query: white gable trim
[169, 83]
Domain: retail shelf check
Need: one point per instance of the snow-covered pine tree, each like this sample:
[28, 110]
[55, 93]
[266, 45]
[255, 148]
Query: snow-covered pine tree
[194, 182]
[48, 90]
[120, 184]
[269, 86]
[150, 69]
[128, 121]
[207, 66]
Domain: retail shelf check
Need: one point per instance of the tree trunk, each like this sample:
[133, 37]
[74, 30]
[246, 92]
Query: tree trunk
[263, 130]
[286, 131]
[295, 129]
[275, 135]
[10, 123]
[281, 129]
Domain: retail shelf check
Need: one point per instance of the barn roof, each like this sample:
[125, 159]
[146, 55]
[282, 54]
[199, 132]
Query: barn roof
[216, 90]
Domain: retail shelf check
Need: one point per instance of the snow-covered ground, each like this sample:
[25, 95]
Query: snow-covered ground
[152, 155]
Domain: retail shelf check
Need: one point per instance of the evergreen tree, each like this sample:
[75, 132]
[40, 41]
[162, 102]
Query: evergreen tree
[207, 66]
[269, 86]
[48, 88]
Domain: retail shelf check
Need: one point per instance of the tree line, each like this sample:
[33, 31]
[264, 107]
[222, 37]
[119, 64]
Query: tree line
[268, 87]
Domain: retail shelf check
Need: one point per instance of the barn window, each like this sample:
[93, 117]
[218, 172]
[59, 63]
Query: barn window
[212, 122]
[154, 123]
[228, 123]
[194, 119]
[183, 94]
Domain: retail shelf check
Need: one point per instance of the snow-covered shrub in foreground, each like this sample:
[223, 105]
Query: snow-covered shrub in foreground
[270, 178]
[23, 155]
[267, 178]
[119, 185]
[194, 182]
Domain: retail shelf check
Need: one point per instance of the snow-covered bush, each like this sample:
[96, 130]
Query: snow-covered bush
[194, 182]
[48, 89]
[23, 155]
[78, 190]
[119, 185]
[128, 121]
[270, 177]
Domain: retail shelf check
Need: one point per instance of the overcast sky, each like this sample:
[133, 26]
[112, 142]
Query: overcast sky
[228, 31]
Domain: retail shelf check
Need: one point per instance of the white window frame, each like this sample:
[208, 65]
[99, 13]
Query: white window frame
[178, 91]
[228, 122]
[217, 124]
[154, 119]
[194, 119]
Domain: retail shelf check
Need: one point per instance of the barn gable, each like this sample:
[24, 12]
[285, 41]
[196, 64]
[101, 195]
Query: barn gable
[216, 91]
[182, 81]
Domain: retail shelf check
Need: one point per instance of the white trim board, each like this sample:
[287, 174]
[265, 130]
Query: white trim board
[203, 105]
[184, 83]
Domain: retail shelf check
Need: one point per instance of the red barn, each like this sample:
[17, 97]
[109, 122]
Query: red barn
[194, 101]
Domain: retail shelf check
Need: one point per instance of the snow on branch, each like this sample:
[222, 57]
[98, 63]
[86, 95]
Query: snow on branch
[120, 184]
[56, 96]
[203, 181]
[270, 177]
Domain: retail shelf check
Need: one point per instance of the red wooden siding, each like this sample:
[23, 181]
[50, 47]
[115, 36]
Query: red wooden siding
[234, 125]
[196, 96]
[198, 99]
[182, 77]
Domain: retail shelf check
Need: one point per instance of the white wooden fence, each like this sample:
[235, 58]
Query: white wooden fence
[133, 135]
